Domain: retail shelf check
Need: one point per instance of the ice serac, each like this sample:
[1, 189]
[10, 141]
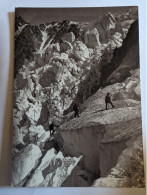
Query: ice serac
[65, 46]
[53, 170]
[24, 162]
[92, 38]
[70, 37]
[106, 26]
[107, 138]
[81, 51]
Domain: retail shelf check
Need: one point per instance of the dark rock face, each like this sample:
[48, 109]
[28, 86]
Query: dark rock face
[52, 144]
[47, 78]
[63, 28]
[26, 43]
[25, 121]
[124, 59]
[19, 22]
[30, 38]
[42, 27]
[21, 83]
[91, 83]
[44, 115]
[75, 28]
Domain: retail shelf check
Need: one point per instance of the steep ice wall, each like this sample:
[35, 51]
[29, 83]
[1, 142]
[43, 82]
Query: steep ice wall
[129, 170]
[102, 135]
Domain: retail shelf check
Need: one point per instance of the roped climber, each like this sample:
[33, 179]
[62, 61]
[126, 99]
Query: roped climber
[76, 110]
[52, 129]
[108, 101]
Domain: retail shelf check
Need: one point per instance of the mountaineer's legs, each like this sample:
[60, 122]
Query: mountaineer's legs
[76, 114]
[112, 104]
[106, 105]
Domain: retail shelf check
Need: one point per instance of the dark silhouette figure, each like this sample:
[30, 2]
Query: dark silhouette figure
[76, 110]
[54, 48]
[108, 101]
[52, 129]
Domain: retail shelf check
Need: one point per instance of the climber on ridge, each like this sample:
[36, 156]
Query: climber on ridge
[52, 129]
[76, 110]
[108, 101]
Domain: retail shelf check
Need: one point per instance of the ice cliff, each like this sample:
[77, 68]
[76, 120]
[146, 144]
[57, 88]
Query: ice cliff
[109, 139]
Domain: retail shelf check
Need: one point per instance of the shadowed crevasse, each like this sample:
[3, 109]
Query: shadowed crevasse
[98, 158]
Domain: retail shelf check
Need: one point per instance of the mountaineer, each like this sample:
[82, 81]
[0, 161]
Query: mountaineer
[76, 110]
[108, 101]
[52, 129]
